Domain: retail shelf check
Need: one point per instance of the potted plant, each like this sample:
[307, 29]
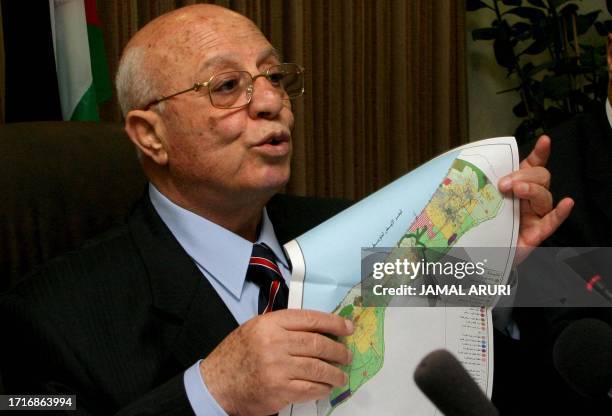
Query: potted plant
[539, 44]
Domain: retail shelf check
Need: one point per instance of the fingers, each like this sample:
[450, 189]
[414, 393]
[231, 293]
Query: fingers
[549, 223]
[535, 198]
[308, 344]
[318, 371]
[552, 220]
[314, 321]
[539, 155]
[305, 391]
[537, 175]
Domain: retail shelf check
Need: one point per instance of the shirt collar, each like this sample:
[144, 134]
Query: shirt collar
[220, 252]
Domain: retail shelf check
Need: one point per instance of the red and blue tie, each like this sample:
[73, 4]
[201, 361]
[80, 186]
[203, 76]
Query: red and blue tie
[264, 272]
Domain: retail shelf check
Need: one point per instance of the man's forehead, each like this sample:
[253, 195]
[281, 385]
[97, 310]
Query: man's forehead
[193, 39]
[189, 23]
[223, 59]
[201, 35]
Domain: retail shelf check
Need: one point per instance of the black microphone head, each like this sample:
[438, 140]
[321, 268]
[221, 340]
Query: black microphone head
[449, 386]
[583, 356]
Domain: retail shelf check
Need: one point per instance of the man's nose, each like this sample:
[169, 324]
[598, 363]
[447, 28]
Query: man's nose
[266, 101]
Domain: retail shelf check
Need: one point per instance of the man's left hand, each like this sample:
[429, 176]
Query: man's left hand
[530, 184]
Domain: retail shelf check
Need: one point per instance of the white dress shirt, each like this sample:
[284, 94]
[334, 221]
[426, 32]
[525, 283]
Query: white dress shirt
[223, 258]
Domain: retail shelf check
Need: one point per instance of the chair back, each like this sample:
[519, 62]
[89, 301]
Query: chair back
[63, 183]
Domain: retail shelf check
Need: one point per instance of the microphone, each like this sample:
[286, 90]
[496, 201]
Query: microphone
[582, 268]
[449, 386]
[582, 355]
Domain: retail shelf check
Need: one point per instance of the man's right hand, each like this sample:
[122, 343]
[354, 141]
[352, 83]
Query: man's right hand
[277, 359]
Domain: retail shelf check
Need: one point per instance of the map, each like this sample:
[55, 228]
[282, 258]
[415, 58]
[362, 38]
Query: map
[460, 201]
[464, 199]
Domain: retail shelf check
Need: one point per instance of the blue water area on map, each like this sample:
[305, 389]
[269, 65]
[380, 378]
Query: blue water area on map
[340, 398]
[332, 251]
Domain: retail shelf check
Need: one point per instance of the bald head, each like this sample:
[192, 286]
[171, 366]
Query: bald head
[174, 31]
[154, 61]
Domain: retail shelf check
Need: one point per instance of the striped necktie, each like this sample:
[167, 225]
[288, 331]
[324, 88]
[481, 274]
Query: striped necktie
[264, 272]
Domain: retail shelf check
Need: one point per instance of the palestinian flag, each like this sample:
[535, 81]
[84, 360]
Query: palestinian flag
[82, 71]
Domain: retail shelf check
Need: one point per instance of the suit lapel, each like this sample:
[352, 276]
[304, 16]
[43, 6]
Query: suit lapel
[183, 294]
[178, 288]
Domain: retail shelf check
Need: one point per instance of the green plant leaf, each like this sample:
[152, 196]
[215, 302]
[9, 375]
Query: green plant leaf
[556, 87]
[536, 47]
[485, 33]
[521, 27]
[530, 13]
[527, 68]
[504, 55]
[541, 31]
[537, 3]
[472, 5]
[521, 30]
[513, 89]
[585, 21]
[530, 70]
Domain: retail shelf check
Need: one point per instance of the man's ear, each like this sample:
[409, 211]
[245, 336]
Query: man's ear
[147, 131]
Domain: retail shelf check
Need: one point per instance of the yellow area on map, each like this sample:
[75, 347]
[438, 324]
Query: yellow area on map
[366, 323]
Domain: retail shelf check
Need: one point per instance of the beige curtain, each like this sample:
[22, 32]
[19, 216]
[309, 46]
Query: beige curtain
[385, 86]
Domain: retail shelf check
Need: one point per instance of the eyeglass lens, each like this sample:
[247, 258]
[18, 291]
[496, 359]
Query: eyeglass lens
[232, 89]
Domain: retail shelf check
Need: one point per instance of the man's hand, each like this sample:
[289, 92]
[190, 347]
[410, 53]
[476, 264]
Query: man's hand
[530, 183]
[277, 359]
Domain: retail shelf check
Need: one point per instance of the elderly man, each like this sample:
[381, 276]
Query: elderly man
[162, 315]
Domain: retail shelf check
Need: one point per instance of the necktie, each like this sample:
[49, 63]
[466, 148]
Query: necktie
[264, 272]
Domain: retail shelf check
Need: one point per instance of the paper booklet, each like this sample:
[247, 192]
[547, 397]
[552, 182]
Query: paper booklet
[451, 201]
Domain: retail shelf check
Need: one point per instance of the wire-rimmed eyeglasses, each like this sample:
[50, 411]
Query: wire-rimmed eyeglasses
[234, 89]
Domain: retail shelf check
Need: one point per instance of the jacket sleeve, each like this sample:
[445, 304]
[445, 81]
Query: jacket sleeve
[35, 358]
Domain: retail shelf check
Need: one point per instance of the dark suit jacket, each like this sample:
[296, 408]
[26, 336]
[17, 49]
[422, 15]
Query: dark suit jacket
[580, 165]
[118, 321]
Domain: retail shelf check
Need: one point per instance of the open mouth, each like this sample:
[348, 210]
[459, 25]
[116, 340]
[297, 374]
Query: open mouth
[276, 144]
[274, 141]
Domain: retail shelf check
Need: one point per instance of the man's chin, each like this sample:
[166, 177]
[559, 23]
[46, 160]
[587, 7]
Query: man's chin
[263, 181]
[274, 185]
[273, 180]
